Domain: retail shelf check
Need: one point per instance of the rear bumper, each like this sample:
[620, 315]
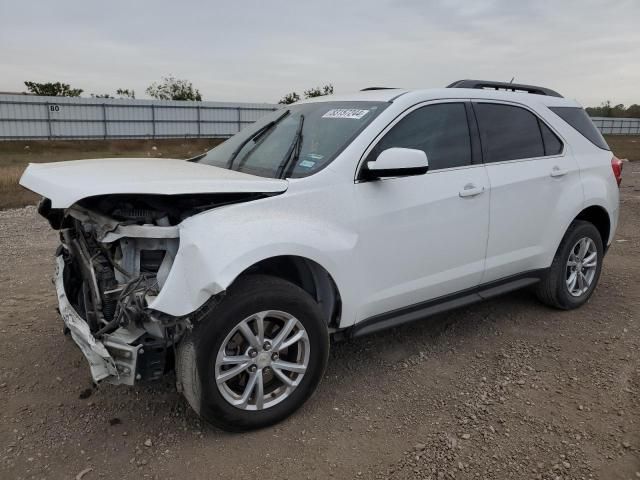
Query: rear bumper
[113, 359]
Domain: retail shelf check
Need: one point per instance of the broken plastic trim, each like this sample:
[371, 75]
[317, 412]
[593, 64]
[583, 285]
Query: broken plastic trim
[113, 359]
[100, 361]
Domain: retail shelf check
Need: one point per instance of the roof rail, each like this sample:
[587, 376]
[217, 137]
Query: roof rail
[513, 87]
[378, 88]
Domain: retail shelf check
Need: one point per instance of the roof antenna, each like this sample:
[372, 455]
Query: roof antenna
[512, 79]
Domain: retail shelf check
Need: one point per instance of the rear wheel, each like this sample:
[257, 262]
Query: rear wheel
[575, 270]
[256, 357]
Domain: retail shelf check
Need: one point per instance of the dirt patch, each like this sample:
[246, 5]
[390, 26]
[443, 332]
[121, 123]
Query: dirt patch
[506, 389]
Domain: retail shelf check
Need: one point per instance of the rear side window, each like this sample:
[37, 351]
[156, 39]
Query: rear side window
[578, 119]
[508, 132]
[552, 144]
[440, 130]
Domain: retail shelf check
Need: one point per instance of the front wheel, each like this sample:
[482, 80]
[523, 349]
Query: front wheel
[256, 357]
[576, 267]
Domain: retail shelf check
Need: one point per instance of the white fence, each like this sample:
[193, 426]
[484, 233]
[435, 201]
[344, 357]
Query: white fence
[47, 118]
[617, 126]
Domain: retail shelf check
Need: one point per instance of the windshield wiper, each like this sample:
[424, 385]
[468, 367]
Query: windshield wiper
[197, 158]
[256, 136]
[292, 153]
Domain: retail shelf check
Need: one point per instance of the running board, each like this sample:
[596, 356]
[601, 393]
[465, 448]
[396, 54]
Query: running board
[426, 309]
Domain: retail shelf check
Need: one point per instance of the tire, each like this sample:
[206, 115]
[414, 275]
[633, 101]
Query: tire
[553, 290]
[200, 357]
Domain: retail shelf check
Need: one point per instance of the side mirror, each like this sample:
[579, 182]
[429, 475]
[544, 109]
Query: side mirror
[398, 162]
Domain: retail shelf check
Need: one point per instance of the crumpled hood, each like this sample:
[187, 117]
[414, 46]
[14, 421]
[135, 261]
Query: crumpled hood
[65, 183]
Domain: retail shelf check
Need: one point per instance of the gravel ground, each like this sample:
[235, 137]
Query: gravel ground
[507, 389]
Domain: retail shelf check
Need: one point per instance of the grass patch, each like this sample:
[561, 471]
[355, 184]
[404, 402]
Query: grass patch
[625, 146]
[11, 194]
[16, 155]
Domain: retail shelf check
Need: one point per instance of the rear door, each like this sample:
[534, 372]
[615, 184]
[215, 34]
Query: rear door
[422, 237]
[530, 171]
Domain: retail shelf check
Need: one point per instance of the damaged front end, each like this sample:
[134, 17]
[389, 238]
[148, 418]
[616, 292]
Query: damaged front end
[120, 224]
[115, 256]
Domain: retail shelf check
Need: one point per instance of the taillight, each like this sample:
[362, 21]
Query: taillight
[616, 166]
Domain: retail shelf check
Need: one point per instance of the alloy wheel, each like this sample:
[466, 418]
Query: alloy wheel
[262, 360]
[581, 266]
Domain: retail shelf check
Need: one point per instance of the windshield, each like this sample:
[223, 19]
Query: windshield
[295, 141]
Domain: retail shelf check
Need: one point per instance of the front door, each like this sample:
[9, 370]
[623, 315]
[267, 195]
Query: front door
[422, 237]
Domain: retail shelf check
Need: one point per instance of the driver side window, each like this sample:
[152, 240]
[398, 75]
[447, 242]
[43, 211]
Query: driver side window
[440, 130]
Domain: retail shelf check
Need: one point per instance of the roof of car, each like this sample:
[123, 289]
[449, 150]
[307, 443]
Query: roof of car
[393, 94]
[382, 95]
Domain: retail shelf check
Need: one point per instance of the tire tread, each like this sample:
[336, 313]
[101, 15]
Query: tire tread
[549, 289]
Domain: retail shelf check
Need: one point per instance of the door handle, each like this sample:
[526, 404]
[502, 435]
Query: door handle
[558, 172]
[471, 190]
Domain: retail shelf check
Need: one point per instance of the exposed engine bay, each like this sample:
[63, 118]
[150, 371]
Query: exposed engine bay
[116, 254]
[131, 274]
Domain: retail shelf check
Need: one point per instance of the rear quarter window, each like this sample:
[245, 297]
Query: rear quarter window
[552, 144]
[580, 121]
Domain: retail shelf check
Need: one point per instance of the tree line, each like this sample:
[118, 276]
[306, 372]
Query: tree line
[619, 111]
[169, 88]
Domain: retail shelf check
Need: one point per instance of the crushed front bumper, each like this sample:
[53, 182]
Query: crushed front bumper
[113, 359]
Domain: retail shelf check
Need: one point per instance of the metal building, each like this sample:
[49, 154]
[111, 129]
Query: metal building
[46, 118]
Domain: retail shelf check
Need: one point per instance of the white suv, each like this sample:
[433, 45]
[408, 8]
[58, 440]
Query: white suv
[339, 216]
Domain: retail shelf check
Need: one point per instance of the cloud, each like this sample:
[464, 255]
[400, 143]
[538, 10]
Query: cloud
[258, 51]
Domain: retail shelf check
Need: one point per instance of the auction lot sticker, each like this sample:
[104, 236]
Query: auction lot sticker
[354, 113]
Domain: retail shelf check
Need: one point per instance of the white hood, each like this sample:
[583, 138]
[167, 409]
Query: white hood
[65, 183]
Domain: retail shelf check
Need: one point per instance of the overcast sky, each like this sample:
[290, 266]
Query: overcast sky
[255, 50]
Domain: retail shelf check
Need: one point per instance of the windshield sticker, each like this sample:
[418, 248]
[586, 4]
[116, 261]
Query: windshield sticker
[309, 160]
[354, 113]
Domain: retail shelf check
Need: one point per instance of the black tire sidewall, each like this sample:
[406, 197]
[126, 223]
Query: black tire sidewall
[581, 230]
[252, 295]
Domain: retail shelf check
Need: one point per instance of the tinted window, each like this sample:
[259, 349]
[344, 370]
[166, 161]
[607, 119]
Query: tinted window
[508, 133]
[441, 131]
[552, 144]
[578, 119]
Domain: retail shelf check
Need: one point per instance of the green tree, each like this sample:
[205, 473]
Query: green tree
[604, 110]
[319, 91]
[100, 95]
[171, 88]
[125, 93]
[53, 89]
[633, 111]
[617, 111]
[292, 97]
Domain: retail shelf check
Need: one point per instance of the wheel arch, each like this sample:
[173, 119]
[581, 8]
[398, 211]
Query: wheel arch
[599, 217]
[306, 274]
[594, 213]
